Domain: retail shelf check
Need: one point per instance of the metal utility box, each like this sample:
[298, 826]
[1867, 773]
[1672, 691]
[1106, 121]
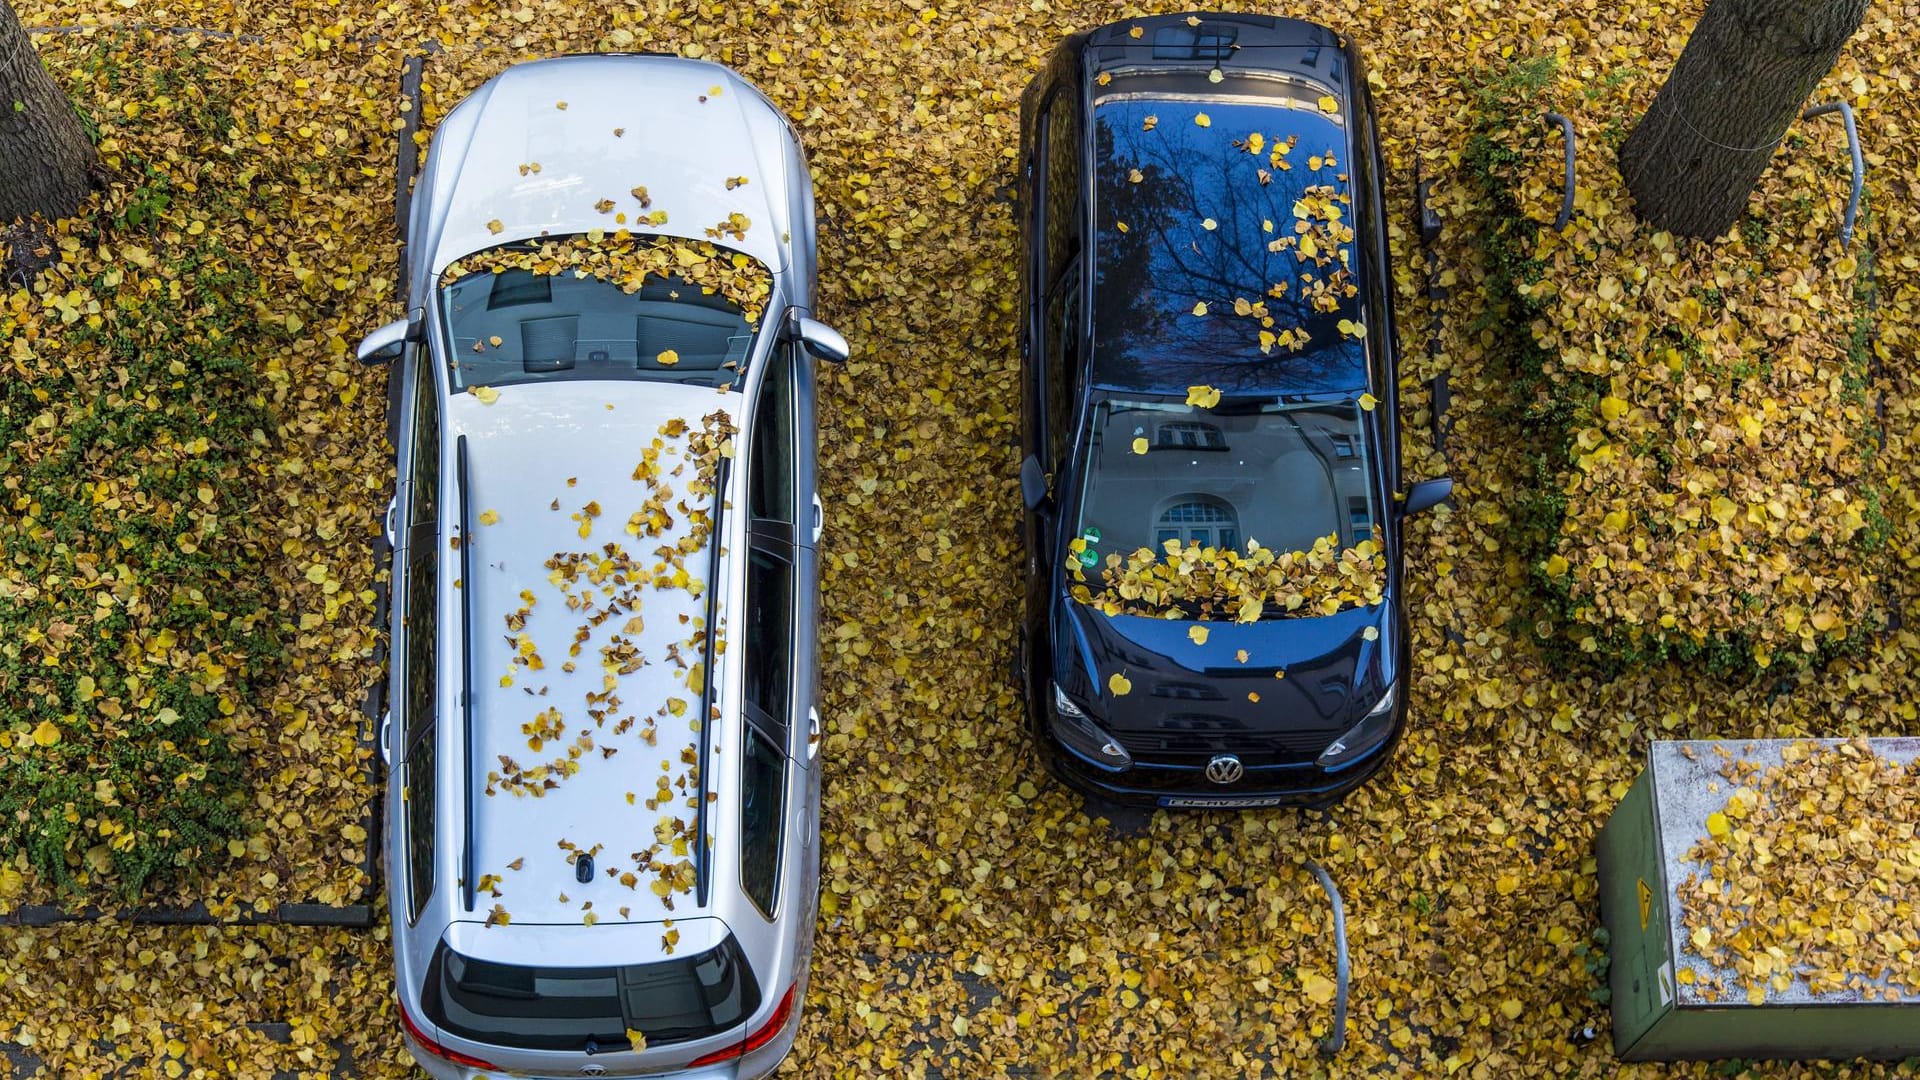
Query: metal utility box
[1643, 862]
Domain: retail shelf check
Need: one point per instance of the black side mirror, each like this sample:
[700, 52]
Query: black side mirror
[1033, 483]
[1426, 495]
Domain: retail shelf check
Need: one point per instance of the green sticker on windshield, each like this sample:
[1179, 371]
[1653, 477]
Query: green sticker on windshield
[1091, 535]
[1089, 557]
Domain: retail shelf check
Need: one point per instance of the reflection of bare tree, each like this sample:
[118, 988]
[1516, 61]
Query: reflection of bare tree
[1157, 260]
[1125, 256]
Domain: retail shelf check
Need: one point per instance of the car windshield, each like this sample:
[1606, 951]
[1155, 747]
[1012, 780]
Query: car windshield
[561, 1008]
[1243, 471]
[597, 307]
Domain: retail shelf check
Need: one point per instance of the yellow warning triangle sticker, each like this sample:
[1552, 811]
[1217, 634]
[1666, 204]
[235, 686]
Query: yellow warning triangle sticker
[1646, 902]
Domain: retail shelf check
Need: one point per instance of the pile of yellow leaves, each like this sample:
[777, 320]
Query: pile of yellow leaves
[623, 259]
[187, 585]
[1721, 476]
[1811, 872]
[976, 921]
[1195, 582]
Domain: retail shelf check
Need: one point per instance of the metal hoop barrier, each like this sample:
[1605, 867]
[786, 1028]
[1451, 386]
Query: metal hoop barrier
[1859, 164]
[1566, 194]
[1337, 1038]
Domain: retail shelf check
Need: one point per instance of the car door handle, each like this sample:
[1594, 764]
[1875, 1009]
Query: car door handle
[393, 507]
[819, 518]
[813, 732]
[386, 737]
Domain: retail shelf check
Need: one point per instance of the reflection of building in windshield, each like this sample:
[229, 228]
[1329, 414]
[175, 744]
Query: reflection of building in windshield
[517, 326]
[1283, 478]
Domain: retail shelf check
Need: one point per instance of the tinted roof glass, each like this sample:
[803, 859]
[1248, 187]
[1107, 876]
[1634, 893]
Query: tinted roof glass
[1225, 245]
[560, 1008]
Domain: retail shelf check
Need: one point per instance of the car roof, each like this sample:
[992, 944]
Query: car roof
[700, 139]
[583, 499]
[1274, 76]
[1191, 192]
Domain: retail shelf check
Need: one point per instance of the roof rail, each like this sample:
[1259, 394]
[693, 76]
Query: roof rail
[703, 873]
[466, 681]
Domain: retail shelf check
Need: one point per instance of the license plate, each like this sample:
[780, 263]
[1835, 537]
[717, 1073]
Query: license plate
[1245, 802]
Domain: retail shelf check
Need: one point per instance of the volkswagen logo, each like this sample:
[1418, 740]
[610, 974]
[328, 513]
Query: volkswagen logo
[1225, 769]
[594, 1069]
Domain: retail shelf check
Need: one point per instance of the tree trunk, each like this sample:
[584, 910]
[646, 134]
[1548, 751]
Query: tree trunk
[1742, 79]
[46, 162]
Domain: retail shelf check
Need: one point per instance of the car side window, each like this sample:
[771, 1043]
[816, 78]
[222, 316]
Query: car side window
[1062, 186]
[769, 689]
[1060, 355]
[769, 646]
[1033, 275]
[420, 623]
[1060, 295]
[419, 794]
[770, 481]
[763, 784]
[424, 503]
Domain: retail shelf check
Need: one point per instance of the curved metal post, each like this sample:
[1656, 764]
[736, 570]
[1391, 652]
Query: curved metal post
[1337, 1038]
[1566, 194]
[1859, 164]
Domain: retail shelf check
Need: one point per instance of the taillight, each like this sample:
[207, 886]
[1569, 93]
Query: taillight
[758, 1039]
[434, 1048]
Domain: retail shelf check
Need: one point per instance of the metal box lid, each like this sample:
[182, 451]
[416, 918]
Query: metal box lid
[1687, 788]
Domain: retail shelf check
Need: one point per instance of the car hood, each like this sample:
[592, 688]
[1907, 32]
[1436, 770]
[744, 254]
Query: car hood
[1331, 673]
[702, 141]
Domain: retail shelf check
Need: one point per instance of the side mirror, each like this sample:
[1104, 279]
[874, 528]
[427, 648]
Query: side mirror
[821, 340]
[387, 343]
[1033, 483]
[1426, 495]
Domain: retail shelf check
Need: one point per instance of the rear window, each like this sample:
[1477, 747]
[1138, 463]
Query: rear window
[561, 1008]
[1224, 227]
[520, 327]
[603, 306]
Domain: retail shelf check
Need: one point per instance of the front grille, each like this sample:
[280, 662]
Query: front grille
[1194, 747]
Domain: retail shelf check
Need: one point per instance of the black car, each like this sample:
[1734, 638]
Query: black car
[1208, 374]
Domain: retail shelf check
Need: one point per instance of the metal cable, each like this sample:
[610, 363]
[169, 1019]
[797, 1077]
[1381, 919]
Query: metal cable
[19, 47]
[1674, 108]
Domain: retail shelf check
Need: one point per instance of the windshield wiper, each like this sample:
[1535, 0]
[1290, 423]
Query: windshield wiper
[702, 872]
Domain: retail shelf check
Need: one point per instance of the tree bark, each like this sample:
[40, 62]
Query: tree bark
[46, 162]
[1744, 76]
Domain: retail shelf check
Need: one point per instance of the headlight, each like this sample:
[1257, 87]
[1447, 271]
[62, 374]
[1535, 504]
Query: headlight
[1064, 705]
[1363, 737]
[1072, 726]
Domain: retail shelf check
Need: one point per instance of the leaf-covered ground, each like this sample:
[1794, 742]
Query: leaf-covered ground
[975, 919]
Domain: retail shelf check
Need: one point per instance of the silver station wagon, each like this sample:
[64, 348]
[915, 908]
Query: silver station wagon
[602, 815]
